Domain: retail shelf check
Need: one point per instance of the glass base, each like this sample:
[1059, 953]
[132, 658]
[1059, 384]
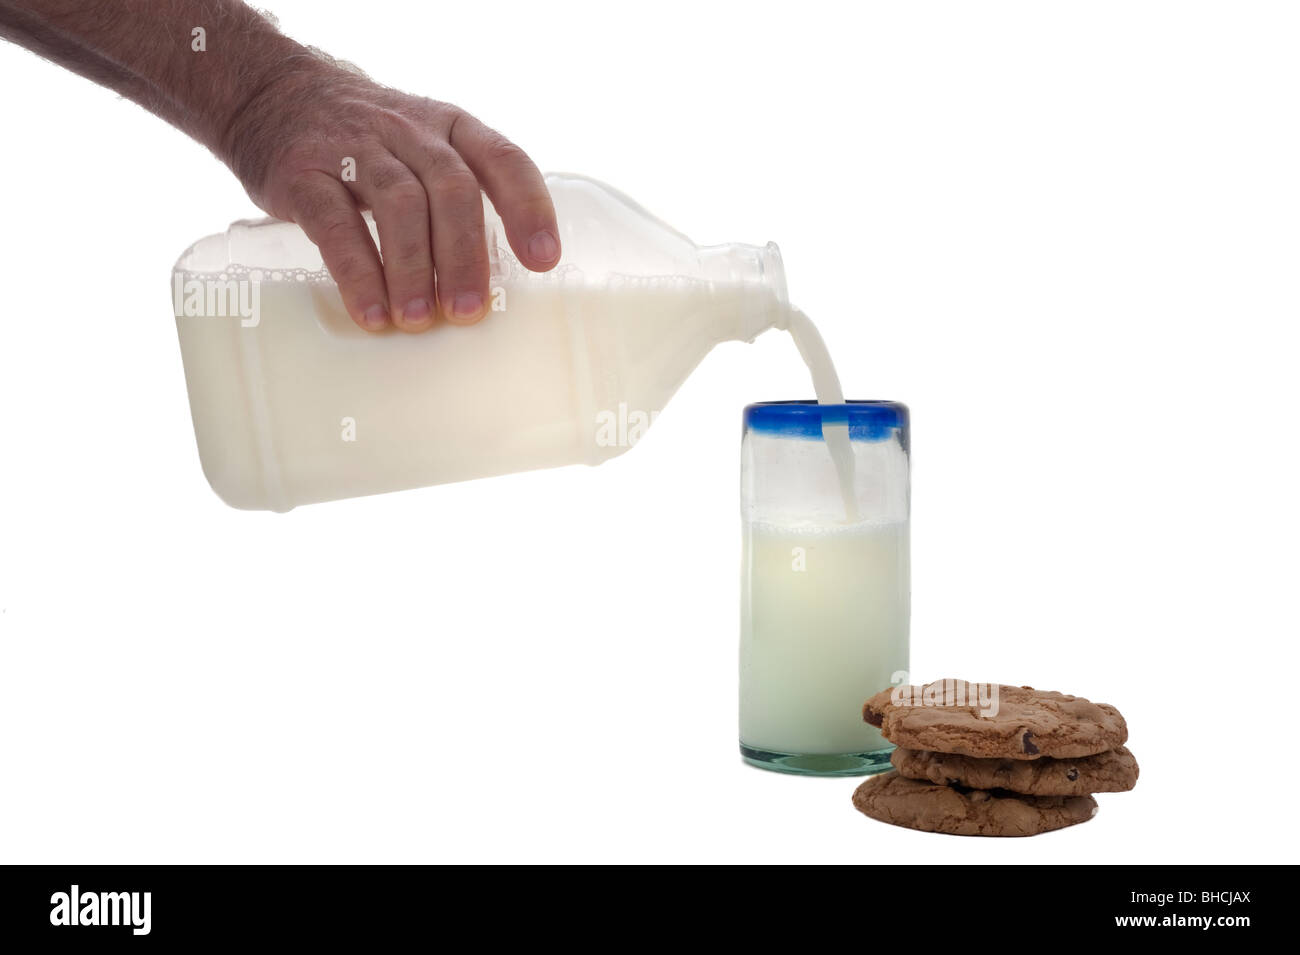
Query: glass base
[834, 764]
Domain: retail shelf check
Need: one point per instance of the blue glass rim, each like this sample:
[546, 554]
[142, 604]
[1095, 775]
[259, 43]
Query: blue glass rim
[868, 420]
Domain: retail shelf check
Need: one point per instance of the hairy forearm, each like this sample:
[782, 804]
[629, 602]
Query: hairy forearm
[145, 51]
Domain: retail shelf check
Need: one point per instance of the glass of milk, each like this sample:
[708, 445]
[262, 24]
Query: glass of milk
[824, 584]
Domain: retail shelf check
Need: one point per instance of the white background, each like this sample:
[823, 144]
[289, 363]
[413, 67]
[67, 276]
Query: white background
[1066, 235]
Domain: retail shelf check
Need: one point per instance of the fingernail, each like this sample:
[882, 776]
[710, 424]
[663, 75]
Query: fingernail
[417, 310]
[544, 247]
[467, 305]
[376, 316]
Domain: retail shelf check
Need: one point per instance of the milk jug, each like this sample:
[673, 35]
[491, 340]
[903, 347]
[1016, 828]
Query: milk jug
[293, 403]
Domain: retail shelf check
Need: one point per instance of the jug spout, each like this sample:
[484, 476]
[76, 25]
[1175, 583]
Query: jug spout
[759, 272]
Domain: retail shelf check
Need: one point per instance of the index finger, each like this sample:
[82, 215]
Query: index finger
[516, 188]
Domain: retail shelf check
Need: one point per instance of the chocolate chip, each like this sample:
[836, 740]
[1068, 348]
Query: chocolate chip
[1072, 775]
[1030, 748]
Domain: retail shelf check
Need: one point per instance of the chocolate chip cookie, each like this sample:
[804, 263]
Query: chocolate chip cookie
[1028, 723]
[956, 810]
[1114, 771]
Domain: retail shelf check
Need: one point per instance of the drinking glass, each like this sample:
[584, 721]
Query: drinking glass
[825, 581]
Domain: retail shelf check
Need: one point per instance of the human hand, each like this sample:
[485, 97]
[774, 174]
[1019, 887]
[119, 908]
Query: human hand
[419, 167]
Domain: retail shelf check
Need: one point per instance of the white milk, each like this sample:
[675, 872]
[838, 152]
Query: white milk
[826, 385]
[816, 642]
[304, 406]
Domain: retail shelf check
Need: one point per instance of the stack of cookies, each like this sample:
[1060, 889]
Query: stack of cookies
[993, 760]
